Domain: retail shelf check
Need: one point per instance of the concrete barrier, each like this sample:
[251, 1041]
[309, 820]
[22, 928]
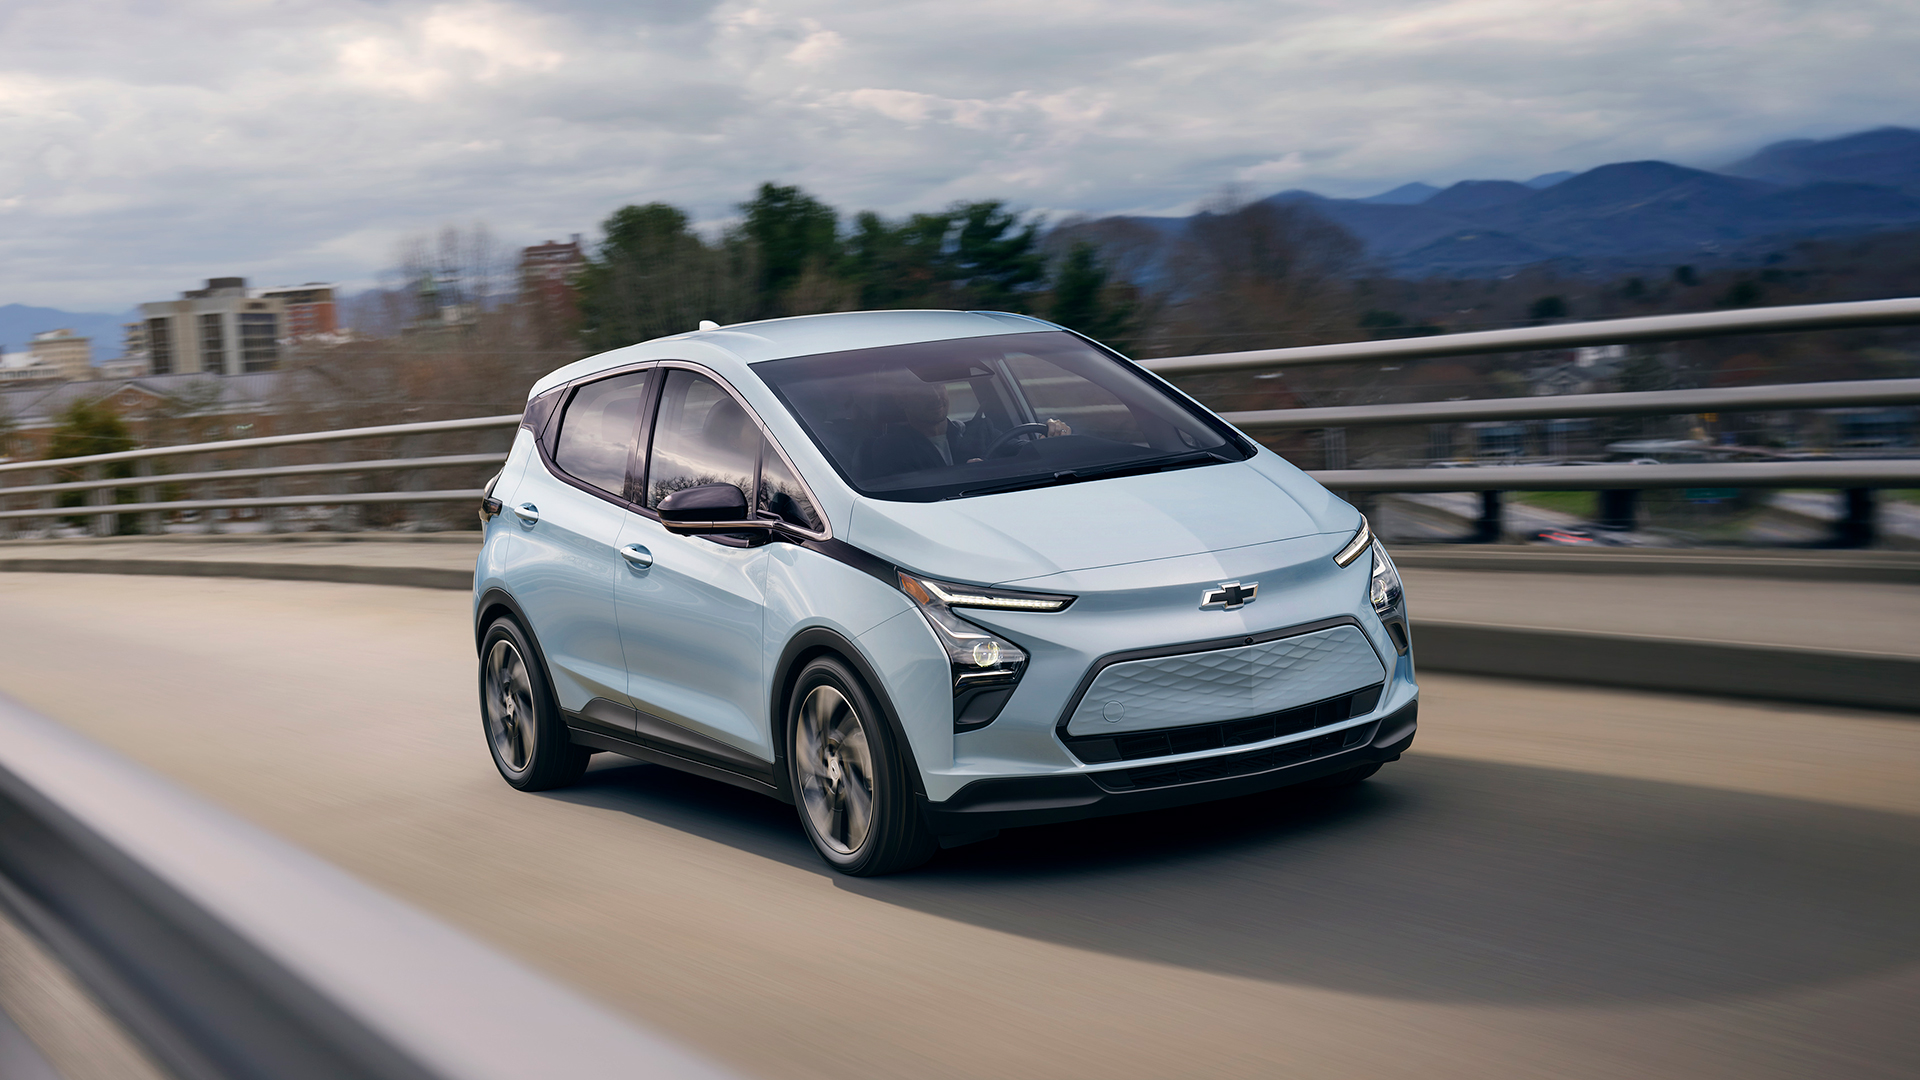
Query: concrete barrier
[1648, 662]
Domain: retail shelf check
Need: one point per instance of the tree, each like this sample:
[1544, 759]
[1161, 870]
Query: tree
[797, 236]
[1247, 276]
[654, 276]
[1084, 301]
[90, 426]
[994, 253]
[898, 265]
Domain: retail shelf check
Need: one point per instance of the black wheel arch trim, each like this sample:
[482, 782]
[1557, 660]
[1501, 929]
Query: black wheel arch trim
[804, 645]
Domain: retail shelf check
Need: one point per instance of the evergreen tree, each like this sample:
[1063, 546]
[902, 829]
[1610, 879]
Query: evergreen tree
[995, 254]
[654, 276]
[1083, 300]
[794, 232]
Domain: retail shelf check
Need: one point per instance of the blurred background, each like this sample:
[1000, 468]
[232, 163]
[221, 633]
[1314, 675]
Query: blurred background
[1606, 314]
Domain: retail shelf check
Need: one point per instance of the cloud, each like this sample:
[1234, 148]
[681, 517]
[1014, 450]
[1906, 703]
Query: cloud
[144, 146]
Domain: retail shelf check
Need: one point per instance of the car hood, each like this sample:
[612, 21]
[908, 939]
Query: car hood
[990, 539]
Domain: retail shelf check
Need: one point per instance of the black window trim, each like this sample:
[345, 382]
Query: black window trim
[639, 459]
[546, 440]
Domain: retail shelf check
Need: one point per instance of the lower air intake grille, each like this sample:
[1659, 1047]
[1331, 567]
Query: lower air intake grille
[1227, 765]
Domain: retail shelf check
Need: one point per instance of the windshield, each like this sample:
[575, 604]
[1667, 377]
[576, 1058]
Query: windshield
[972, 416]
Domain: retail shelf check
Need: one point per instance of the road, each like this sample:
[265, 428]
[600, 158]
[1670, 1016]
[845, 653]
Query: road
[1557, 881]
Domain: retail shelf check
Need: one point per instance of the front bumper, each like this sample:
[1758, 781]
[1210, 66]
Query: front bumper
[983, 806]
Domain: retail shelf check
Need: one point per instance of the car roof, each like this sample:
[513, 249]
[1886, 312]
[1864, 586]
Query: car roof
[804, 335]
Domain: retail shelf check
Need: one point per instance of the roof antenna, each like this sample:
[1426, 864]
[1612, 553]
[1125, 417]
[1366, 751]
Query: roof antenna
[709, 324]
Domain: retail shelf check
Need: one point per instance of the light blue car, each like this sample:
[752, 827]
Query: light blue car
[925, 575]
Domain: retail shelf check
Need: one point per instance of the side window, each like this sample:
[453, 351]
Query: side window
[781, 495]
[598, 429]
[701, 436]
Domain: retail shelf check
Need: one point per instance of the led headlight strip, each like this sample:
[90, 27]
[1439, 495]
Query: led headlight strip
[1356, 545]
[926, 590]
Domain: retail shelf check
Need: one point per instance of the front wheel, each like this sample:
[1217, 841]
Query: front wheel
[849, 780]
[524, 731]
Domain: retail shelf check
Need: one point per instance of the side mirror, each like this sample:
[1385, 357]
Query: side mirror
[709, 508]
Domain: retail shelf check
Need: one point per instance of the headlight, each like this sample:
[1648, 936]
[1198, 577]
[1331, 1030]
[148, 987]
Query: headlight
[986, 666]
[1388, 598]
[1356, 545]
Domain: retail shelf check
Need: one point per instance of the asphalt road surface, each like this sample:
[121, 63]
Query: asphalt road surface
[1556, 882]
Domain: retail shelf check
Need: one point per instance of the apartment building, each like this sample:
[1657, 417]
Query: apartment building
[309, 308]
[222, 329]
[65, 351]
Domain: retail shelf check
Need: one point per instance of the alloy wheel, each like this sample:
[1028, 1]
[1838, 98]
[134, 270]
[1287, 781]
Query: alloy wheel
[835, 766]
[508, 695]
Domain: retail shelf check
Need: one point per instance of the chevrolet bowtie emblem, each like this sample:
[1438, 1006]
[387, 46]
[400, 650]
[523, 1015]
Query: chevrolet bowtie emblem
[1230, 596]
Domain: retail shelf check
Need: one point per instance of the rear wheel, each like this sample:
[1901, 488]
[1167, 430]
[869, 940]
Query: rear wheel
[525, 734]
[850, 781]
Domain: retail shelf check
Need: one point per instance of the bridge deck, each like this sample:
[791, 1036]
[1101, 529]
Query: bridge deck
[1556, 881]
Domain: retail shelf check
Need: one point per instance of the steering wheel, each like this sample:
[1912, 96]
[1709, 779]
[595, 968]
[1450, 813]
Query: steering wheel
[1012, 433]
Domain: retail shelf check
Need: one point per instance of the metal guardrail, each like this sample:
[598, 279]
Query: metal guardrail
[228, 954]
[429, 427]
[104, 513]
[1773, 320]
[1851, 475]
[1766, 474]
[1823, 395]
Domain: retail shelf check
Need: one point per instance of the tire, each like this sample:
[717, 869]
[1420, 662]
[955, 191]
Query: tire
[850, 781]
[519, 717]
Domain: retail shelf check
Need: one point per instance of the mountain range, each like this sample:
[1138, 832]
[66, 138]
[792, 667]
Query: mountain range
[1641, 212]
[1637, 213]
[19, 322]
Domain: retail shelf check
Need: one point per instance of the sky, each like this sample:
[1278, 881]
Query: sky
[145, 145]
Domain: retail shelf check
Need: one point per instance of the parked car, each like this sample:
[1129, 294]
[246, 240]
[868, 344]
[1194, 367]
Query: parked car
[925, 575]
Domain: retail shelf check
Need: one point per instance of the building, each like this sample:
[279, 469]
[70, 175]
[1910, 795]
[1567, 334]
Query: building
[65, 350]
[29, 374]
[546, 278]
[159, 410]
[310, 309]
[222, 329]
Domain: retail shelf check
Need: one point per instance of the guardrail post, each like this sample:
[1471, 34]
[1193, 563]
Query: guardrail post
[208, 491]
[153, 522]
[50, 502]
[1618, 509]
[269, 487]
[103, 524]
[1492, 524]
[1855, 528]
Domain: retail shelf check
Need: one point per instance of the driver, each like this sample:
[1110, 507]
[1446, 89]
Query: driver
[923, 439]
[927, 439]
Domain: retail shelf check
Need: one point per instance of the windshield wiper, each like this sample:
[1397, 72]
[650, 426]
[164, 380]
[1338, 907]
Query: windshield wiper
[1075, 476]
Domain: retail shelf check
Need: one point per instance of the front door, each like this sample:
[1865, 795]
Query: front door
[691, 620]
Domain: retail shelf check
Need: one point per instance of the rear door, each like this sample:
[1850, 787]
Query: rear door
[569, 510]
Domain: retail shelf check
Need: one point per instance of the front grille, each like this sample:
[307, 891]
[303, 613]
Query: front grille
[1196, 738]
[1230, 765]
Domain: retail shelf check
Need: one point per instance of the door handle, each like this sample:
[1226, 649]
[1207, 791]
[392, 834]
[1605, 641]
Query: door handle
[527, 513]
[637, 557]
